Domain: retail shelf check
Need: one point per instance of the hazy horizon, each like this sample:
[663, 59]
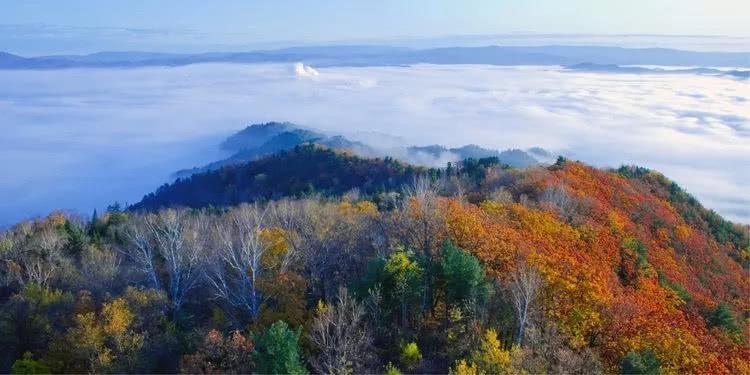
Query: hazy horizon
[43, 27]
[55, 40]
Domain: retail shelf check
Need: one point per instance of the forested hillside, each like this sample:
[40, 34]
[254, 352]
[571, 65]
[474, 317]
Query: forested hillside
[305, 169]
[317, 261]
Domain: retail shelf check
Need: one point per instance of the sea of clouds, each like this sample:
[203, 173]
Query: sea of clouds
[83, 138]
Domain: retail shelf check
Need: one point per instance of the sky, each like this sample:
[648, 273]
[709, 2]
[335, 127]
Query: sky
[53, 26]
[83, 138]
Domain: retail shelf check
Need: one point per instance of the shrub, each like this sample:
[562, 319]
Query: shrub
[642, 362]
[410, 355]
[27, 365]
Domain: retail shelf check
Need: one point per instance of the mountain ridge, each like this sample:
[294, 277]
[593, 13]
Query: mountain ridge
[353, 55]
[259, 140]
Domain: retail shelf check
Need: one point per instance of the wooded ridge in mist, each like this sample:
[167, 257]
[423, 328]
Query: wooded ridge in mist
[258, 140]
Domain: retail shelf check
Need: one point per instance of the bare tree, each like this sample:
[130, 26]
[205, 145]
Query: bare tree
[177, 239]
[100, 267]
[460, 192]
[351, 195]
[308, 225]
[7, 246]
[550, 353]
[140, 250]
[329, 243]
[295, 217]
[43, 256]
[340, 335]
[184, 261]
[418, 222]
[235, 272]
[525, 283]
[32, 252]
[501, 195]
[558, 198]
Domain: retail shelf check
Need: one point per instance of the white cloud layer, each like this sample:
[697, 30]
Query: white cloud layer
[83, 138]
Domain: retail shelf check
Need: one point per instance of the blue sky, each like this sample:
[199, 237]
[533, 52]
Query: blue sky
[45, 24]
[341, 19]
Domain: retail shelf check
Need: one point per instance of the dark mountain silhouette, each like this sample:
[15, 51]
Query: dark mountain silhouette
[302, 170]
[259, 140]
[256, 135]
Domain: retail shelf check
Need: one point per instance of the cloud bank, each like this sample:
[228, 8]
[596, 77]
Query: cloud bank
[81, 139]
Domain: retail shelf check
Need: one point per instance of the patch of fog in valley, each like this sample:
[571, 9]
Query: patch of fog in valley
[83, 138]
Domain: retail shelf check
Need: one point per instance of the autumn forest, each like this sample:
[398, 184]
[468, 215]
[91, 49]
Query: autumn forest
[343, 264]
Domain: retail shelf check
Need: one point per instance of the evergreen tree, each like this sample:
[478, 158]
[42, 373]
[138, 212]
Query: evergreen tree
[462, 275]
[278, 351]
[76, 238]
[722, 317]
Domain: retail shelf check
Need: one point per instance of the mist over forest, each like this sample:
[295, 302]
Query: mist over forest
[87, 132]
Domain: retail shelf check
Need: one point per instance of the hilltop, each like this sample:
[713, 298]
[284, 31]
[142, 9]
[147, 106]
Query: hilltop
[305, 169]
[259, 140]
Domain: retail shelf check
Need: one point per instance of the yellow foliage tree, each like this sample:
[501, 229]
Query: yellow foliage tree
[490, 358]
[103, 343]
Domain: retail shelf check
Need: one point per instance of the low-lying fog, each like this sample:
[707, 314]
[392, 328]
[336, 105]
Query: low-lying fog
[81, 139]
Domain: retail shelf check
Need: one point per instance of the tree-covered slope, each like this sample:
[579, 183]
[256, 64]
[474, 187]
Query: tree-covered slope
[474, 268]
[628, 269]
[305, 169]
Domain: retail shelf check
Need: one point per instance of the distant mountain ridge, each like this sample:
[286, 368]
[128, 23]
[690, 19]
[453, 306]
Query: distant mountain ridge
[354, 55]
[514, 157]
[256, 135]
[613, 68]
[260, 140]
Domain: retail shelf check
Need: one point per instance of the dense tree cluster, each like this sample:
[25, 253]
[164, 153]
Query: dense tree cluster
[474, 269]
[301, 171]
